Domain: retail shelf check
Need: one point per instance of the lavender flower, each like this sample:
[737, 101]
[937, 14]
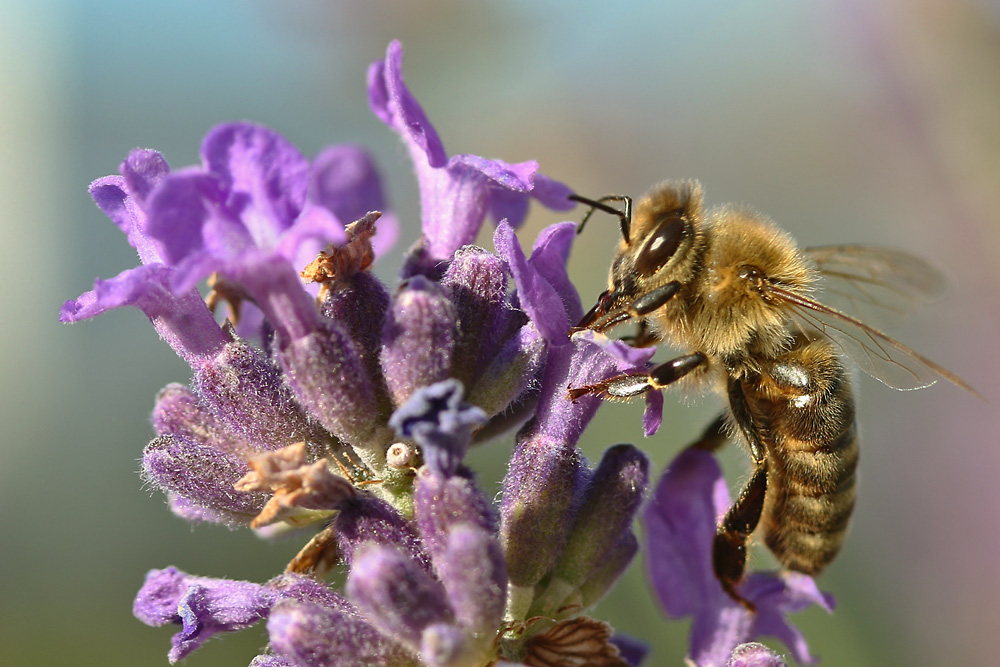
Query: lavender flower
[348, 407]
[680, 524]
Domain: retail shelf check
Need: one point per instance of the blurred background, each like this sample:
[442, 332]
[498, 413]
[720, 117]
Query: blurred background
[848, 122]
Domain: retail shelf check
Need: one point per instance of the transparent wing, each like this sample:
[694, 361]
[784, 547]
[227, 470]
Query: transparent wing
[879, 285]
[884, 358]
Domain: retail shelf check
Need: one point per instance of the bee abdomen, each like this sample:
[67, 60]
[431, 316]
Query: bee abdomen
[811, 499]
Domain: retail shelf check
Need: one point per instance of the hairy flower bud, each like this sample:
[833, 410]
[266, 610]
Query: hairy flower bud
[418, 339]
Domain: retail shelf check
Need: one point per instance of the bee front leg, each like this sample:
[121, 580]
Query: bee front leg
[612, 309]
[628, 385]
[643, 337]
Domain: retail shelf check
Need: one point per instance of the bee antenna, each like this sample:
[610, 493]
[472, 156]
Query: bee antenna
[625, 216]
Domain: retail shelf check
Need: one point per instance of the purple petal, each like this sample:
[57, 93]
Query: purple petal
[181, 206]
[777, 595]
[391, 101]
[345, 181]
[277, 291]
[680, 524]
[143, 169]
[455, 194]
[549, 256]
[144, 287]
[514, 177]
[627, 358]
[715, 635]
[453, 205]
[507, 205]
[121, 197]
[538, 297]
[680, 527]
[314, 229]
[624, 355]
[247, 205]
[183, 321]
[441, 422]
[552, 194]
[202, 606]
[265, 177]
[585, 361]
[631, 650]
[652, 417]
[110, 195]
[505, 187]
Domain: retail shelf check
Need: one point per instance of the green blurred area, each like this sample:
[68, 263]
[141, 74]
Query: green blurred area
[848, 122]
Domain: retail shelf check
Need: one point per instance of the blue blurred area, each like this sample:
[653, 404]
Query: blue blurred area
[848, 122]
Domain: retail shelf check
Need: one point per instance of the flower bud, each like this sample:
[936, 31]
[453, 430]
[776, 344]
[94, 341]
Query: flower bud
[179, 412]
[325, 370]
[609, 505]
[202, 475]
[246, 392]
[419, 339]
[398, 596]
[306, 633]
[476, 282]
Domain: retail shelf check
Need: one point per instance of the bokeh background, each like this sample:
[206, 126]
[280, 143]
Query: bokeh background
[854, 121]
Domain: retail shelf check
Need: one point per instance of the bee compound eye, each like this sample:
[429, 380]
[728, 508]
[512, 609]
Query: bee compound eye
[661, 245]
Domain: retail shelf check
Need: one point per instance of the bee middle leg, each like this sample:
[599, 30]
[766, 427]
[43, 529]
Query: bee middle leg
[628, 385]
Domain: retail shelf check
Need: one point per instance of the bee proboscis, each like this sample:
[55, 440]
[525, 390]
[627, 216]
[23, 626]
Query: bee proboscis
[734, 290]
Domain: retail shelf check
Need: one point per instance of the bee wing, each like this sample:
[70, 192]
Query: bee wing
[884, 358]
[879, 285]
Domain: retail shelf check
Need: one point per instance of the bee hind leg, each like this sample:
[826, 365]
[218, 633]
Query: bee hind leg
[628, 385]
[729, 550]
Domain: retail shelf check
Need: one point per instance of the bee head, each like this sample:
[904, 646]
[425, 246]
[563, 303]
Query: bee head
[664, 228]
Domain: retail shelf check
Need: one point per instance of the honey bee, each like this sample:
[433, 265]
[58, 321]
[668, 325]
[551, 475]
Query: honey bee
[732, 288]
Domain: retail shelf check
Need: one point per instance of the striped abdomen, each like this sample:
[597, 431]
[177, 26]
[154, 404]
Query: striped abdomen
[807, 411]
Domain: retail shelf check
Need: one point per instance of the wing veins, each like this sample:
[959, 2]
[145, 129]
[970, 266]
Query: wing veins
[824, 319]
